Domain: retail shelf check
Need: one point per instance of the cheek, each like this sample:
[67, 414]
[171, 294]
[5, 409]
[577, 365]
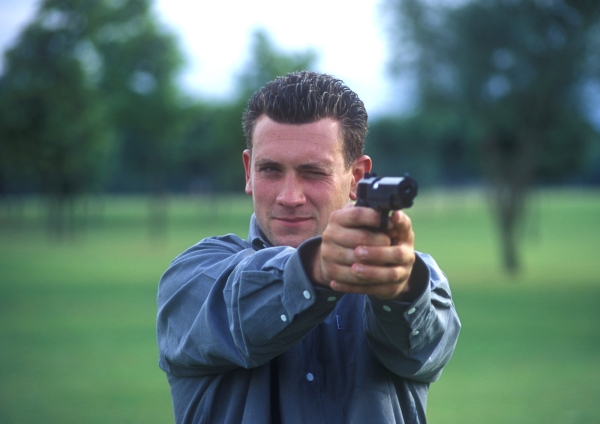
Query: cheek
[333, 199]
[263, 192]
[342, 193]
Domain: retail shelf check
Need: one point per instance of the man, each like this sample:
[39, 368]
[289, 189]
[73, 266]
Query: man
[318, 317]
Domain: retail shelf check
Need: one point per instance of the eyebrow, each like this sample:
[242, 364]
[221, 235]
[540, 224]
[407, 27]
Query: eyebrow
[260, 163]
[307, 166]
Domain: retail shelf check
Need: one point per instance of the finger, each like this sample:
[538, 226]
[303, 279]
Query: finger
[383, 291]
[338, 255]
[341, 273]
[356, 217]
[345, 237]
[400, 228]
[401, 254]
[335, 257]
[372, 275]
[365, 275]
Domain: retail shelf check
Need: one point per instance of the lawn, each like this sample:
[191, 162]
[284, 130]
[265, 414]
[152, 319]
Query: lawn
[77, 314]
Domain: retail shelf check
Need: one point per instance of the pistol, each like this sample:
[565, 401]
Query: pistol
[386, 194]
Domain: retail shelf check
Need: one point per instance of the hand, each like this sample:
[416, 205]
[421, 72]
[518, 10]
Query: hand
[355, 257]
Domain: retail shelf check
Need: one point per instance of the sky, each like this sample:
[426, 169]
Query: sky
[349, 39]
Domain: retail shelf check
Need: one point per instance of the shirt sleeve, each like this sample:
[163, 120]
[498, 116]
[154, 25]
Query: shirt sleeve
[415, 340]
[223, 305]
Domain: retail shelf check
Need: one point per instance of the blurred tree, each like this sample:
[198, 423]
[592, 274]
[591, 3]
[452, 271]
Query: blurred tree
[140, 62]
[510, 74]
[215, 142]
[267, 61]
[83, 75]
[426, 146]
[213, 148]
[52, 128]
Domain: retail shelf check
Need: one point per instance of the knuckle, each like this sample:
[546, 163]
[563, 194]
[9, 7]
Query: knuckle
[326, 252]
[365, 216]
[396, 274]
[398, 254]
[405, 254]
[363, 237]
[382, 239]
[330, 269]
[335, 215]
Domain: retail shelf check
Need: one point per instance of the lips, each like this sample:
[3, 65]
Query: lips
[292, 220]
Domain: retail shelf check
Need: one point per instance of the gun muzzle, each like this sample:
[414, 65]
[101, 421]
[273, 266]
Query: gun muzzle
[385, 194]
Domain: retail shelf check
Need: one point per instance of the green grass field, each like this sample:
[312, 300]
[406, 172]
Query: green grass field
[77, 340]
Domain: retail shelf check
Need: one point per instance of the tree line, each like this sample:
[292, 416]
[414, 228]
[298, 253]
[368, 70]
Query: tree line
[505, 96]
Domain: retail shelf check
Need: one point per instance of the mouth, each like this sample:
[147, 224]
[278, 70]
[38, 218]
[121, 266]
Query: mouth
[292, 220]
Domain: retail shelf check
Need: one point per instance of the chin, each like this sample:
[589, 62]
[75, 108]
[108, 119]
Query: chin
[291, 241]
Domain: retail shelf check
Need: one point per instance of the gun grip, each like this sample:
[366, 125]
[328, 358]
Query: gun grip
[383, 221]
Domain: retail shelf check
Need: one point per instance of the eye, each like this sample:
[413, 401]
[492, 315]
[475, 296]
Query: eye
[268, 170]
[315, 174]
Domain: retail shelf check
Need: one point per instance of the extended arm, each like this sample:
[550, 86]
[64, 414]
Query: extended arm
[410, 319]
[415, 339]
[224, 305]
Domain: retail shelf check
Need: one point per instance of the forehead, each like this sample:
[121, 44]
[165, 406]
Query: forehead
[322, 136]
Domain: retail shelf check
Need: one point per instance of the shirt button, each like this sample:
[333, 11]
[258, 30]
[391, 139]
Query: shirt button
[411, 311]
[331, 298]
[415, 333]
[310, 377]
[283, 318]
[387, 308]
[306, 294]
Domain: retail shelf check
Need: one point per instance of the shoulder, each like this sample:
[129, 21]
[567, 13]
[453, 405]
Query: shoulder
[207, 253]
[203, 261]
[217, 245]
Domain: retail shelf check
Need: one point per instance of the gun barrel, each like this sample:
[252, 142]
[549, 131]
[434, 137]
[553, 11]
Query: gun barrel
[387, 193]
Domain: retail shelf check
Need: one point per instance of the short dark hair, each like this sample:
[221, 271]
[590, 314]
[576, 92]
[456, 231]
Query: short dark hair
[305, 97]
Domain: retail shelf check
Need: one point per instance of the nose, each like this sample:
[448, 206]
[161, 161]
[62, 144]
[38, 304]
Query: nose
[291, 193]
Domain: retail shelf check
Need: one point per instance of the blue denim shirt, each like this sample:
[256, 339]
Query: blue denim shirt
[245, 337]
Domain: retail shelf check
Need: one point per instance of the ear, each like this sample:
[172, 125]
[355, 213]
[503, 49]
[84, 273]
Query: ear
[360, 167]
[247, 158]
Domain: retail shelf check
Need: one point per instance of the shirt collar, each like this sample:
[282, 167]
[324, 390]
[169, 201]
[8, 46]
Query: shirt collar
[256, 237]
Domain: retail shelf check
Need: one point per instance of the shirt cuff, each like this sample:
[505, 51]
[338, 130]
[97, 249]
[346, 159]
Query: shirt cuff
[412, 314]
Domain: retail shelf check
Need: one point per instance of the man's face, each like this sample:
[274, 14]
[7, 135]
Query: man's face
[297, 176]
